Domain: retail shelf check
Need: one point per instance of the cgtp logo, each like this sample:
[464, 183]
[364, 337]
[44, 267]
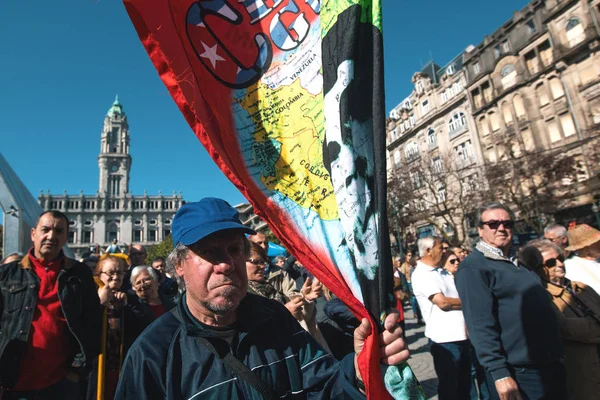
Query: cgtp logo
[236, 42]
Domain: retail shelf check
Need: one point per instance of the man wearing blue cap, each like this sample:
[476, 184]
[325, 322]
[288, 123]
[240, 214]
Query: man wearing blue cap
[222, 342]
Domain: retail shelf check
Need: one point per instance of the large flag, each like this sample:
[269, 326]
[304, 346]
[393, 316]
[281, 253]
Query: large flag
[287, 97]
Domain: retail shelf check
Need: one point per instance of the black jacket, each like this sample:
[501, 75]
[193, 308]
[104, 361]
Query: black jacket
[19, 288]
[166, 362]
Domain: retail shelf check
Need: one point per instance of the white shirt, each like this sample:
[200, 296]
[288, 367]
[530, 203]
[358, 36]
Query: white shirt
[440, 326]
[585, 271]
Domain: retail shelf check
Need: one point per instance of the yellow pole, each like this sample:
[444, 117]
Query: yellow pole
[102, 357]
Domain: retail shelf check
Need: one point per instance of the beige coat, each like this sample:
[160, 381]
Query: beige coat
[284, 284]
[581, 336]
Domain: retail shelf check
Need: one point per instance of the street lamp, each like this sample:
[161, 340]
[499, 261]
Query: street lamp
[596, 211]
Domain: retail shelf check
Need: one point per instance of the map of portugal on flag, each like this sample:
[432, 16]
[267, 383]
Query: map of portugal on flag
[287, 97]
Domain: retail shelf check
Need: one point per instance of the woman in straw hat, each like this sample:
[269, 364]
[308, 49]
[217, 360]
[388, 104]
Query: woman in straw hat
[578, 312]
[584, 267]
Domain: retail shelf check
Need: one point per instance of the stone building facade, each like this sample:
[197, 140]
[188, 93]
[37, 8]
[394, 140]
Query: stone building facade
[535, 87]
[433, 131]
[113, 212]
[531, 86]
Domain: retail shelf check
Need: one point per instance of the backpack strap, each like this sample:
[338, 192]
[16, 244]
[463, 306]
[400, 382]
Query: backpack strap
[235, 366]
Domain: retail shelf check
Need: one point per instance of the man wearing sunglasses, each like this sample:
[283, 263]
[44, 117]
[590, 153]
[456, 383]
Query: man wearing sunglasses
[509, 316]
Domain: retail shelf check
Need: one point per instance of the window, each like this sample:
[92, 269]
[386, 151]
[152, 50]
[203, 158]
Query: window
[545, 51]
[519, 107]
[153, 222]
[509, 76]
[464, 152]
[484, 127]
[477, 68]
[168, 221]
[72, 222]
[507, 114]
[495, 121]
[476, 94]
[566, 121]
[411, 151]
[553, 131]
[531, 27]
[425, 107]
[505, 47]
[72, 236]
[419, 86]
[533, 64]
[412, 120]
[416, 179]
[407, 105]
[167, 233]
[497, 51]
[542, 94]
[444, 97]
[137, 235]
[457, 121]
[441, 194]
[87, 237]
[527, 138]
[437, 165]
[556, 88]
[431, 138]
[487, 92]
[450, 70]
[575, 34]
[397, 157]
[87, 223]
[151, 235]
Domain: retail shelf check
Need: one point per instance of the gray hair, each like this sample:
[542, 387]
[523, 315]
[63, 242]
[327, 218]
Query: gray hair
[141, 268]
[492, 206]
[544, 245]
[557, 229]
[280, 258]
[427, 243]
[177, 257]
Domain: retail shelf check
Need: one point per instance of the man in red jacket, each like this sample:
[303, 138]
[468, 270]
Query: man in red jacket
[51, 318]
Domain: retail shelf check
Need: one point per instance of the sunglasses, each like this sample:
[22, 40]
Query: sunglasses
[551, 262]
[255, 261]
[454, 261]
[493, 224]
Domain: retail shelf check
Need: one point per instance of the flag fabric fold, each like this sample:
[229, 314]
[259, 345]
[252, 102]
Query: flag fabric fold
[287, 97]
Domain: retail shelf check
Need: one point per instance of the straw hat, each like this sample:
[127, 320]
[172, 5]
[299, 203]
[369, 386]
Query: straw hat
[581, 236]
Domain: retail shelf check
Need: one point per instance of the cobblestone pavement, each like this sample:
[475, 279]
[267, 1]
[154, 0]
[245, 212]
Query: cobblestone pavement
[420, 359]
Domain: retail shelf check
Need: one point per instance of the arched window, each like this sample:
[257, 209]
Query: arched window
[542, 94]
[556, 88]
[112, 231]
[457, 121]
[484, 128]
[575, 33]
[519, 106]
[495, 121]
[431, 138]
[508, 76]
[507, 113]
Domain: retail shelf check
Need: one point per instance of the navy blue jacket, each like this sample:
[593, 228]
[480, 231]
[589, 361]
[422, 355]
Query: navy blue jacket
[508, 313]
[166, 362]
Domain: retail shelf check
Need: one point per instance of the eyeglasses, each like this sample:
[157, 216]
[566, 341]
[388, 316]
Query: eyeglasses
[112, 274]
[454, 261]
[493, 224]
[551, 262]
[142, 282]
[257, 262]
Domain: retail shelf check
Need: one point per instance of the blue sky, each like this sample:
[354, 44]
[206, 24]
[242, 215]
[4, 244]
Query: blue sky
[64, 61]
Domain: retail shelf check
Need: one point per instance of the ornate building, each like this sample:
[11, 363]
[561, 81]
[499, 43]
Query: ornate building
[535, 87]
[430, 136]
[113, 212]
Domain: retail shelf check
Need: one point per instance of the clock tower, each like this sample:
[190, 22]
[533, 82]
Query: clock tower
[114, 160]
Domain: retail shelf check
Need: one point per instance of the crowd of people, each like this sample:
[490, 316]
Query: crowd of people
[506, 322]
[232, 322]
[503, 322]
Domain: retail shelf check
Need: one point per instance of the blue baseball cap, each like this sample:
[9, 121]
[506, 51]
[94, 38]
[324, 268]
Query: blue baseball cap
[195, 221]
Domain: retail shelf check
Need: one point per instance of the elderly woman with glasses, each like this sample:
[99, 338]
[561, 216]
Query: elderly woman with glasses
[148, 304]
[578, 310]
[300, 303]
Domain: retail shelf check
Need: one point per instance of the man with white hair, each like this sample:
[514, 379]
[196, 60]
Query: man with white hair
[444, 322]
[557, 234]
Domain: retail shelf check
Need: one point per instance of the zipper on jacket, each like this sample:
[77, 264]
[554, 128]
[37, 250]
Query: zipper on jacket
[62, 272]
